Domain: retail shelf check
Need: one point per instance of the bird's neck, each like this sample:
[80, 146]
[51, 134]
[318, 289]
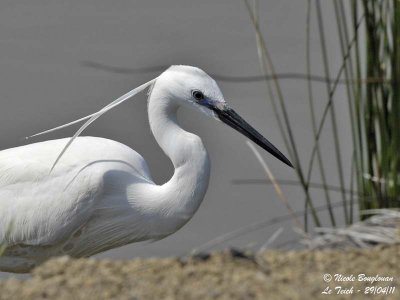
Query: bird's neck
[181, 196]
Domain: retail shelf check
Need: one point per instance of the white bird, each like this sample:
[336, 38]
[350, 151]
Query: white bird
[99, 194]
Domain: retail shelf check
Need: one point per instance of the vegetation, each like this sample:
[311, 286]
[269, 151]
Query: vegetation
[369, 36]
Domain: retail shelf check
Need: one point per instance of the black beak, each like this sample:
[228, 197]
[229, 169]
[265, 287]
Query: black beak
[231, 118]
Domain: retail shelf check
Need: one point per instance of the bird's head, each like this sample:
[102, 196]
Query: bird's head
[187, 86]
[192, 87]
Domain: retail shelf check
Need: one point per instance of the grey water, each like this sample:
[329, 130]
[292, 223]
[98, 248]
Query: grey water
[61, 60]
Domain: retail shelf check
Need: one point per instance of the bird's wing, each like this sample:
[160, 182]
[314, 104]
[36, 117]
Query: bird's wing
[42, 208]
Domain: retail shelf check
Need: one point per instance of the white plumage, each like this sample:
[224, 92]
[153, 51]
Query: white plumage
[100, 194]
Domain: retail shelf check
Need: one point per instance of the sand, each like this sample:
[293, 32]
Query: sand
[231, 274]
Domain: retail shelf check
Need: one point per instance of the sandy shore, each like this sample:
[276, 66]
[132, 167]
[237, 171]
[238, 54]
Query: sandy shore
[227, 275]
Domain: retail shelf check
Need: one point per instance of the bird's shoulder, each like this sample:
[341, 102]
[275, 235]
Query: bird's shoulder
[33, 162]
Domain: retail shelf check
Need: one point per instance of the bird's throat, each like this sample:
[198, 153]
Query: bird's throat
[183, 193]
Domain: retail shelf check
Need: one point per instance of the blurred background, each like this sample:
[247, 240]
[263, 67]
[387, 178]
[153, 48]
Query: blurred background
[61, 60]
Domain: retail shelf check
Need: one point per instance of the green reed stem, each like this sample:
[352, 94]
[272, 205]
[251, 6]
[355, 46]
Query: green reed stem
[313, 119]
[267, 65]
[332, 110]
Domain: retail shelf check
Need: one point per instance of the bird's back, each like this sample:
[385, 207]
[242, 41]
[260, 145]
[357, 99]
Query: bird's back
[33, 162]
[39, 208]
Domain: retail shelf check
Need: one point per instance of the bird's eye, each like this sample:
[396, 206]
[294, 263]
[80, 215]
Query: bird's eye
[197, 95]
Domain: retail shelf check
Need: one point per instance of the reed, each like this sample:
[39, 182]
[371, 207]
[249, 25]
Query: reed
[369, 43]
[378, 109]
[374, 105]
[280, 110]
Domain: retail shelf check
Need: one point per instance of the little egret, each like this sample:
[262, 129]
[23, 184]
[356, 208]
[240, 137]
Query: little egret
[84, 195]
